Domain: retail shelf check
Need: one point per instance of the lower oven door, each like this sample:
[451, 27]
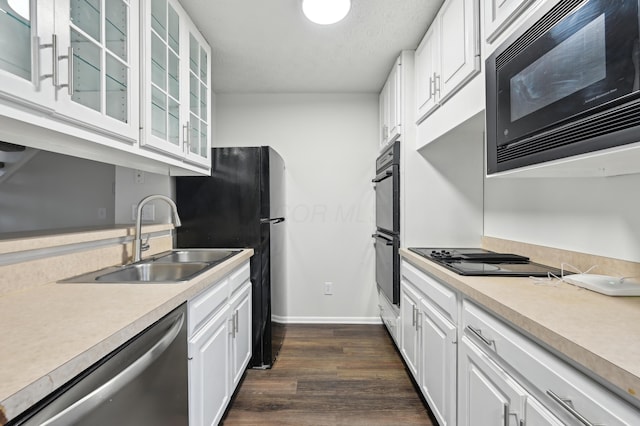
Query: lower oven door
[388, 265]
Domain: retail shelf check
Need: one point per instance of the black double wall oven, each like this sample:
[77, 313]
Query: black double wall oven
[387, 236]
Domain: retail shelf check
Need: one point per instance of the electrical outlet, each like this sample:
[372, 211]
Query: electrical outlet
[102, 212]
[328, 288]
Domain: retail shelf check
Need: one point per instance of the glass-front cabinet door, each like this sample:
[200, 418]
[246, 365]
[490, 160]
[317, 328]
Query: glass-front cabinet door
[176, 92]
[163, 96]
[27, 48]
[199, 139]
[98, 64]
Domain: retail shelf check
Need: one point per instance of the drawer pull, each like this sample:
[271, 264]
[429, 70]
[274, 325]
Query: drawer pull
[568, 405]
[478, 333]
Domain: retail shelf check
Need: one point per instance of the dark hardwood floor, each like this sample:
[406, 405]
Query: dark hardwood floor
[330, 375]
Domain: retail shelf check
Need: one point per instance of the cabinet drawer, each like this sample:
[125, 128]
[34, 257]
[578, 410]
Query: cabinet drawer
[552, 379]
[443, 297]
[239, 277]
[206, 304]
[388, 315]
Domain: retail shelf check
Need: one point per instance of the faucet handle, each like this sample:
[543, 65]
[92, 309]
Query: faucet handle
[144, 246]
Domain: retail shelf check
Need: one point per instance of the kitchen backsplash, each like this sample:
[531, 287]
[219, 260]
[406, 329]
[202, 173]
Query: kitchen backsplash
[33, 261]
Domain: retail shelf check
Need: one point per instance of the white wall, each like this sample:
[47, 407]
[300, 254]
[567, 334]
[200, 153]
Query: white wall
[132, 186]
[442, 189]
[329, 145]
[54, 191]
[592, 215]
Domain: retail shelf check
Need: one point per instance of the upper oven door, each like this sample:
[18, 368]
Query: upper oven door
[388, 200]
[589, 58]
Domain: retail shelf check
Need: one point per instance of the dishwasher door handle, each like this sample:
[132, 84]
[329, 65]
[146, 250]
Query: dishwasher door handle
[81, 407]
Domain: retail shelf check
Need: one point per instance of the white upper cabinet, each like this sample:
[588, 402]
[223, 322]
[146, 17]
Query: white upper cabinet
[198, 124]
[448, 56]
[391, 114]
[176, 93]
[98, 64]
[77, 59]
[26, 52]
[106, 80]
[427, 61]
[498, 14]
[163, 95]
[383, 100]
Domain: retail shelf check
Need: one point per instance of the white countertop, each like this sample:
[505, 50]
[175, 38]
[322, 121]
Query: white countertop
[598, 334]
[53, 332]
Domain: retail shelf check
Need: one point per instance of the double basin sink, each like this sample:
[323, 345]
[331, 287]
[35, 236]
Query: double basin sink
[175, 266]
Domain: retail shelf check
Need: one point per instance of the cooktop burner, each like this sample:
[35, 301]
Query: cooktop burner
[475, 261]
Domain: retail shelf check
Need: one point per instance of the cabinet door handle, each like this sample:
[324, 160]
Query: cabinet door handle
[568, 406]
[186, 137]
[413, 316]
[54, 60]
[35, 62]
[478, 333]
[431, 83]
[505, 414]
[69, 58]
[436, 84]
[235, 323]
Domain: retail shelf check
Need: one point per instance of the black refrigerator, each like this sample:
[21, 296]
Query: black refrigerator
[241, 205]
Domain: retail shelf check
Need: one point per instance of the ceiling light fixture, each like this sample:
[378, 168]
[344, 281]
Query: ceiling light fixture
[325, 12]
[21, 7]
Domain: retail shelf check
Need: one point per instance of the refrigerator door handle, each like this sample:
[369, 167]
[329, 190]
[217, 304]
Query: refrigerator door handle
[274, 220]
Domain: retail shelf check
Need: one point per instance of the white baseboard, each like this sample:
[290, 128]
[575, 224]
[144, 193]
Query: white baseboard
[327, 320]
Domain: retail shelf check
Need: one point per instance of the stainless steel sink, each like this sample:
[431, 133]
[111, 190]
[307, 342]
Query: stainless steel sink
[154, 272]
[174, 266]
[195, 255]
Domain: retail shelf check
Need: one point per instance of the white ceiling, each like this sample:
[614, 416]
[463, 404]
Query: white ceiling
[268, 46]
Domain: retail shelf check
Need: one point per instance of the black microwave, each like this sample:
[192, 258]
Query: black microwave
[565, 85]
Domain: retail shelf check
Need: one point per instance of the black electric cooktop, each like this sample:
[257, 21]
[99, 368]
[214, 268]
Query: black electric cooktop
[475, 261]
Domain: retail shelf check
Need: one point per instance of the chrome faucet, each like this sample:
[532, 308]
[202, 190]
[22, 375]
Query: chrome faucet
[138, 247]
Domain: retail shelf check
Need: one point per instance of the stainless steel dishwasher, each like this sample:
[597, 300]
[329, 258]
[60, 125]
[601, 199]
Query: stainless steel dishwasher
[143, 382]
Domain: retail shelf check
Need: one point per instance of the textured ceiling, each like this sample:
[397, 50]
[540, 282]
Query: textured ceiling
[268, 46]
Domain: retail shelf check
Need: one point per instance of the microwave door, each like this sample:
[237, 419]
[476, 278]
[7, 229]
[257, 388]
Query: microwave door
[551, 86]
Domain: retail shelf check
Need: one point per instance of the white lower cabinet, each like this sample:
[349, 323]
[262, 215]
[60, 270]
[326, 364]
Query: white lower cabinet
[438, 369]
[537, 415]
[553, 392]
[389, 315]
[488, 396]
[410, 338]
[429, 336]
[477, 370]
[219, 347]
[240, 332]
[209, 366]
